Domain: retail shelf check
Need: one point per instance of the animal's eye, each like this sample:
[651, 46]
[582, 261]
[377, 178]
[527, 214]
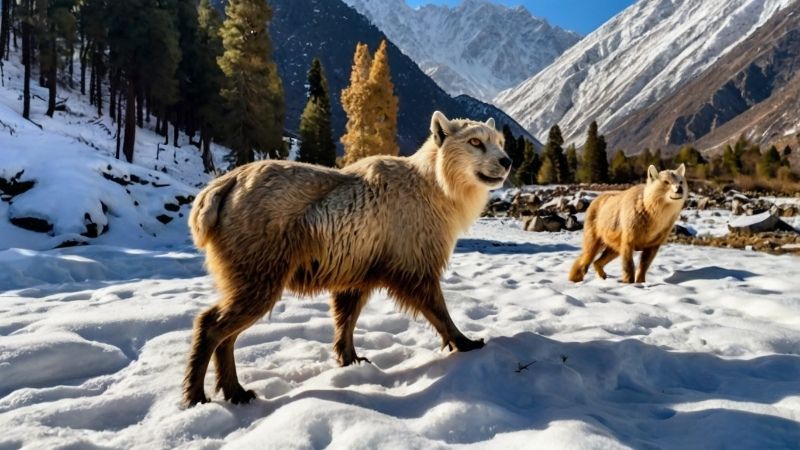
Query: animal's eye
[475, 142]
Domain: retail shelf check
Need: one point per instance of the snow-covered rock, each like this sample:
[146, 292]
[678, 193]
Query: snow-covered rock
[476, 48]
[633, 60]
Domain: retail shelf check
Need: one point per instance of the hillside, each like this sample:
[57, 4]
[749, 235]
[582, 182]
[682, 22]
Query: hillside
[753, 90]
[637, 58]
[330, 30]
[61, 185]
[477, 47]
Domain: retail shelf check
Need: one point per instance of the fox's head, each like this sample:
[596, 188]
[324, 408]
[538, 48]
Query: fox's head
[668, 186]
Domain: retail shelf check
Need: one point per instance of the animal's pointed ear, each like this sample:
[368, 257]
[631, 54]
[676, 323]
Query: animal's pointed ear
[490, 122]
[652, 173]
[440, 127]
[681, 170]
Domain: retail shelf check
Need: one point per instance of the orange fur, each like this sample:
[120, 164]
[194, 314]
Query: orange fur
[638, 219]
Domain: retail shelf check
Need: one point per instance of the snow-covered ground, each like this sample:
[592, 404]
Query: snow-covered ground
[79, 186]
[93, 342]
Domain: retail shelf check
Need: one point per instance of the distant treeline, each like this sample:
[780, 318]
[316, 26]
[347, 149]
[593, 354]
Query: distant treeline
[740, 161]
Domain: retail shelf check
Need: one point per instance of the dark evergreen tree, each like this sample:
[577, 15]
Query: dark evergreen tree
[26, 20]
[253, 89]
[595, 160]
[5, 28]
[769, 163]
[512, 148]
[134, 25]
[571, 157]
[210, 82]
[621, 170]
[531, 163]
[317, 146]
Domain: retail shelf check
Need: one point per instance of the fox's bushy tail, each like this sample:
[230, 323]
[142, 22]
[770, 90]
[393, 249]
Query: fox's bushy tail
[204, 218]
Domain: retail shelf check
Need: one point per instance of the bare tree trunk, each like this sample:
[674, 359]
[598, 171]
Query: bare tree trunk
[176, 126]
[52, 74]
[140, 107]
[208, 159]
[82, 52]
[5, 28]
[130, 122]
[26, 61]
[119, 126]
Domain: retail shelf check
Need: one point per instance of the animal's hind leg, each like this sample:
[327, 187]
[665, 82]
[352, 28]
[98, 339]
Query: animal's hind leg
[428, 299]
[346, 306]
[606, 257]
[211, 328]
[227, 380]
[591, 245]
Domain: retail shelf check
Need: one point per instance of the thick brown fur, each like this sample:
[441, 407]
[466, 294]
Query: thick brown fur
[382, 222]
[638, 219]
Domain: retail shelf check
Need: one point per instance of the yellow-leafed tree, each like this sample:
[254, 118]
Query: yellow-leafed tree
[371, 107]
[383, 107]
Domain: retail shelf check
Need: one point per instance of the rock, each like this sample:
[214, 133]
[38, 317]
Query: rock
[758, 223]
[163, 218]
[788, 211]
[32, 224]
[572, 224]
[553, 223]
[172, 207]
[737, 208]
[702, 204]
[681, 230]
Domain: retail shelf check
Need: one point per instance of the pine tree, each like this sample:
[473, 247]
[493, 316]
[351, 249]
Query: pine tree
[383, 103]
[358, 139]
[137, 64]
[547, 173]
[595, 160]
[529, 167]
[511, 147]
[253, 89]
[621, 170]
[317, 145]
[26, 19]
[769, 163]
[571, 157]
[519, 152]
[5, 28]
[210, 103]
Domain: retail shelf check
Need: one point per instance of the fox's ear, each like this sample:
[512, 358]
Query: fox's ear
[652, 173]
[440, 127]
[681, 170]
[490, 122]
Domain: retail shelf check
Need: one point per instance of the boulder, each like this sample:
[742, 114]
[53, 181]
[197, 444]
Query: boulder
[572, 224]
[758, 223]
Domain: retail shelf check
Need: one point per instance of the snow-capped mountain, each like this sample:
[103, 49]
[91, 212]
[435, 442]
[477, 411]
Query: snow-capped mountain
[477, 48]
[637, 58]
[753, 90]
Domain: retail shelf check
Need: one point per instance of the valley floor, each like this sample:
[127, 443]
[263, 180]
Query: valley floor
[93, 343]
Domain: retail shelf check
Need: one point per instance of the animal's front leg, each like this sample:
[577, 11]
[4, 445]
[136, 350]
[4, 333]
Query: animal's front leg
[627, 264]
[648, 255]
[346, 306]
[428, 299]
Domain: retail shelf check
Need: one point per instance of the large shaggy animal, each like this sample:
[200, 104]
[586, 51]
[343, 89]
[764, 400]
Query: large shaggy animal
[382, 222]
[638, 219]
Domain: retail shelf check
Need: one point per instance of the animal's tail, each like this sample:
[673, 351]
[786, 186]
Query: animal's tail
[204, 218]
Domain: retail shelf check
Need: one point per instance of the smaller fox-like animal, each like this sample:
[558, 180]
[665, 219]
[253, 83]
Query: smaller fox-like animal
[637, 219]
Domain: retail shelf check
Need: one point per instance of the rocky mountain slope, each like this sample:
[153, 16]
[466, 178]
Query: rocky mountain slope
[330, 30]
[639, 57]
[477, 48]
[753, 90]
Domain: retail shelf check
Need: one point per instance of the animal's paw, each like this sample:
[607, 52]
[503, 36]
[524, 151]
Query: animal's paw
[192, 399]
[465, 345]
[240, 396]
[348, 358]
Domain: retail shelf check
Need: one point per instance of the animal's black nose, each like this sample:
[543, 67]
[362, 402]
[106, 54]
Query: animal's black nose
[680, 190]
[505, 162]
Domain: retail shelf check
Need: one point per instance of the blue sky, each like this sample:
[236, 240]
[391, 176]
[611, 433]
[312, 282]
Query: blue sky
[583, 16]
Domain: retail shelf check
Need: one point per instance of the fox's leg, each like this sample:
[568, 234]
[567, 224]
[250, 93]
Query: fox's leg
[591, 245]
[646, 259]
[346, 306]
[627, 262]
[606, 257]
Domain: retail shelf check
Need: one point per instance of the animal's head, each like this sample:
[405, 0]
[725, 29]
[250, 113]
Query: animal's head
[668, 186]
[469, 154]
